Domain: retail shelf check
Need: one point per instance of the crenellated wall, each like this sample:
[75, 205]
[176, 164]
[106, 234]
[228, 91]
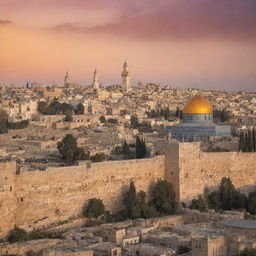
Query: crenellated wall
[43, 197]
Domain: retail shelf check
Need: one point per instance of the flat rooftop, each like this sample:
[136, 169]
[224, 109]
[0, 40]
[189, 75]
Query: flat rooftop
[237, 223]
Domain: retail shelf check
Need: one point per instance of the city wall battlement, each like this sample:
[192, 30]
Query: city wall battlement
[59, 193]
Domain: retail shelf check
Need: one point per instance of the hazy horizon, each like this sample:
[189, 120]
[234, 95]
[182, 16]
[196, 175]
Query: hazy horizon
[190, 44]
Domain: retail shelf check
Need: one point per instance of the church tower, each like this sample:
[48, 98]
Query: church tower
[126, 77]
[95, 83]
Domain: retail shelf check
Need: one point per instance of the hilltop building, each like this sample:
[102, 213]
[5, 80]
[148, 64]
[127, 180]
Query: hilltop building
[197, 122]
[126, 77]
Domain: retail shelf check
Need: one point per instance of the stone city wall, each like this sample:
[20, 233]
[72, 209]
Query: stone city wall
[59, 193]
[7, 198]
[35, 197]
[199, 170]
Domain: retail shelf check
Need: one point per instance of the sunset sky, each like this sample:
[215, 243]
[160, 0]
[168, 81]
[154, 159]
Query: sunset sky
[207, 44]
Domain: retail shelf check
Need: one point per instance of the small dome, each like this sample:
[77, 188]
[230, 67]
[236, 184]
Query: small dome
[198, 105]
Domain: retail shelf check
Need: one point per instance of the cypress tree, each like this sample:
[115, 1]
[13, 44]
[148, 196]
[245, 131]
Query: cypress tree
[141, 149]
[254, 140]
[125, 148]
[241, 141]
[250, 141]
[245, 149]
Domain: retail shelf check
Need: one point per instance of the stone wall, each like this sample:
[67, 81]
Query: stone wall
[7, 199]
[38, 198]
[199, 170]
[59, 193]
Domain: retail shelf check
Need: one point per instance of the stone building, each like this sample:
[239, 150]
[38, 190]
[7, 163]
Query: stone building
[197, 122]
[95, 83]
[208, 246]
[126, 77]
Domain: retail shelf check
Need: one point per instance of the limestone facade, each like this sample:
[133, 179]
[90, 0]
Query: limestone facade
[60, 193]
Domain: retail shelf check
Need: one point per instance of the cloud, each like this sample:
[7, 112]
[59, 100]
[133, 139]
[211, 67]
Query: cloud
[5, 22]
[179, 19]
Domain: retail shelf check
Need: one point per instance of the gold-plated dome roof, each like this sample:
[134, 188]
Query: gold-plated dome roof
[198, 105]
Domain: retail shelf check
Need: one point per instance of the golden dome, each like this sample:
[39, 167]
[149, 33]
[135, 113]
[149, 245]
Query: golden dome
[198, 105]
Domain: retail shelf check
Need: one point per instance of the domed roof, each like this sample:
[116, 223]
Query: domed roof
[198, 105]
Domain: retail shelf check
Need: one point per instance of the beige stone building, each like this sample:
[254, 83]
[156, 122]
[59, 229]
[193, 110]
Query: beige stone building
[208, 246]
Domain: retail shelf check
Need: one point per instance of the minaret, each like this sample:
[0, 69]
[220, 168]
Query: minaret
[66, 80]
[126, 77]
[95, 83]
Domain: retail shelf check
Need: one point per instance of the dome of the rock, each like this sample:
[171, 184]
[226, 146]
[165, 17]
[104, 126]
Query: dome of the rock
[198, 105]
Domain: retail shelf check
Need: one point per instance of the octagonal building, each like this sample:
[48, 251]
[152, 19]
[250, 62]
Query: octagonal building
[197, 122]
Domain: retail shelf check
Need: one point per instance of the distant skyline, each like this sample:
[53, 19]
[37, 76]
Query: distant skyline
[187, 43]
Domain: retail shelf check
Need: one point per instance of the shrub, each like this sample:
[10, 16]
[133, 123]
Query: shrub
[199, 204]
[94, 209]
[183, 249]
[252, 203]
[102, 119]
[164, 198]
[98, 157]
[17, 235]
[248, 252]
[148, 211]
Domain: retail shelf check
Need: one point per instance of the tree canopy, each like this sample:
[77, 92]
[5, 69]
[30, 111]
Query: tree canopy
[141, 149]
[164, 198]
[6, 125]
[79, 109]
[69, 150]
[94, 208]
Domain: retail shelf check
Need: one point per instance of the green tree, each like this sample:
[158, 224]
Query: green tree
[68, 117]
[252, 203]
[17, 235]
[228, 197]
[134, 121]
[199, 204]
[102, 119]
[183, 249]
[254, 139]
[81, 155]
[3, 122]
[66, 109]
[227, 190]
[125, 148]
[141, 149]
[242, 141]
[42, 107]
[214, 200]
[148, 211]
[250, 141]
[248, 252]
[164, 198]
[55, 108]
[98, 157]
[94, 209]
[79, 109]
[221, 114]
[135, 204]
[130, 199]
[69, 151]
